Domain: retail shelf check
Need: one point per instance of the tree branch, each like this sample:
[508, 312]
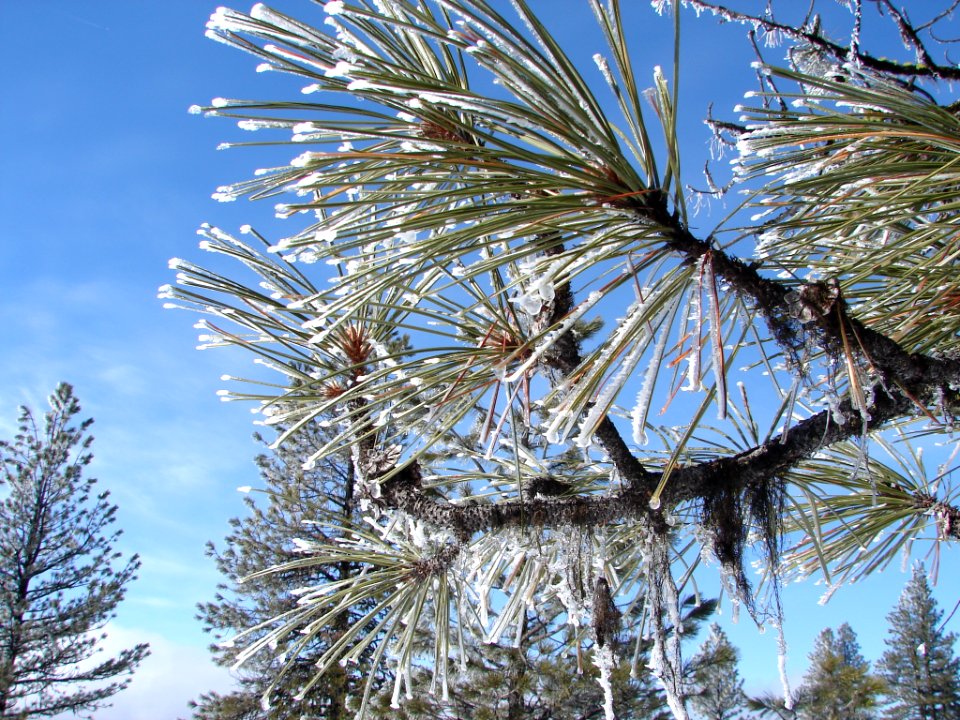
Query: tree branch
[924, 67]
[564, 356]
[689, 483]
[907, 383]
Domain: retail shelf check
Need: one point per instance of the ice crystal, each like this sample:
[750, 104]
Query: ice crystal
[660, 5]
[663, 605]
[225, 20]
[550, 338]
[713, 304]
[604, 68]
[539, 291]
[642, 407]
[606, 662]
[693, 380]
[225, 193]
[341, 69]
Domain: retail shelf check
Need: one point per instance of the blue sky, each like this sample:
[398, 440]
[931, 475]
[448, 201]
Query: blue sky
[103, 177]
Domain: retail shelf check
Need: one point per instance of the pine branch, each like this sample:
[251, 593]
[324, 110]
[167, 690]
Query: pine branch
[564, 356]
[924, 67]
[762, 463]
[908, 383]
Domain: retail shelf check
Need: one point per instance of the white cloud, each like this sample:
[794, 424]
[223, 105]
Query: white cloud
[166, 681]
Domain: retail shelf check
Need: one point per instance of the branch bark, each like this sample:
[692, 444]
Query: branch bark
[906, 383]
[925, 67]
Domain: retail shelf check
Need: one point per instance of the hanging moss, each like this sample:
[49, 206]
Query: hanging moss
[723, 517]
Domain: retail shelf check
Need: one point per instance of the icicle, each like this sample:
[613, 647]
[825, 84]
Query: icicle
[782, 666]
[613, 384]
[662, 598]
[605, 661]
[694, 382]
[444, 685]
[551, 337]
[518, 637]
[397, 682]
[407, 682]
[503, 621]
[604, 67]
[716, 337]
[642, 408]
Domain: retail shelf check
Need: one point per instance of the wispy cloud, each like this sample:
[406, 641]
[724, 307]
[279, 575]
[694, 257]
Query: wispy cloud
[166, 681]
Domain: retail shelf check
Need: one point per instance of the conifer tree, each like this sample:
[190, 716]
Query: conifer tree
[838, 685]
[544, 676]
[919, 664]
[717, 689]
[774, 705]
[302, 503]
[60, 577]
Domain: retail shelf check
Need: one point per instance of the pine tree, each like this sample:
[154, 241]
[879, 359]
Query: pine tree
[773, 705]
[60, 577]
[545, 676]
[302, 503]
[451, 170]
[838, 684]
[919, 666]
[717, 689]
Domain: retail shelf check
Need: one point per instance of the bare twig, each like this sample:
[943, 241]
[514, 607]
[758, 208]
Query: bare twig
[810, 35]
[909, 35]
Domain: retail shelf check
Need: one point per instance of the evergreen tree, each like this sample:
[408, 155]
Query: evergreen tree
[59, 580]
[838, 685]
[717, 689]
[919, 665]
[773, 705]
[303, 503]
[546, 676]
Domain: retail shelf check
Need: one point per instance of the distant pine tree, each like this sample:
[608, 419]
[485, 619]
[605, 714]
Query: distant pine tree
[918, 665]
[59, 586]
[543, 680]
[532, 681]
[717, 689]
[302, 506]
[839, 685]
